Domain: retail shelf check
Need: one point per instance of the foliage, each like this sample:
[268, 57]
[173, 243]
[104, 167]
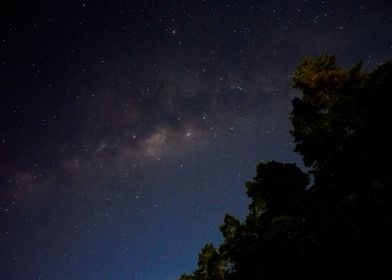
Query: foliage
[340, 225]
[210, 266]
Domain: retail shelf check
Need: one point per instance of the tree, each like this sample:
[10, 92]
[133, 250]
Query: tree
[341, 128]
[211, 266]
[340, 226]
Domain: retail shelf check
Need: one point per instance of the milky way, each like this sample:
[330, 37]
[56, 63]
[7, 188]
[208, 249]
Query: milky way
[128, 130]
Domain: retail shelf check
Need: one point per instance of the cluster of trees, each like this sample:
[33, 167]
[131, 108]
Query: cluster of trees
[339, 223]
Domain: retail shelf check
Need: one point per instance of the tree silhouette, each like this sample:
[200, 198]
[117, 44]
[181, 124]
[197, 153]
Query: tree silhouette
[210, 265]
[341, 224]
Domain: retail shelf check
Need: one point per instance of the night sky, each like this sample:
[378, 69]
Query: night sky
[128, 128]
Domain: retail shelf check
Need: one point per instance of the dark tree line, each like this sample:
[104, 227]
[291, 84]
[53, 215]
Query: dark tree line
[340, 224]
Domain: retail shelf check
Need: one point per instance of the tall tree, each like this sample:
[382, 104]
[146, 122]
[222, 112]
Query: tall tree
[340, 226]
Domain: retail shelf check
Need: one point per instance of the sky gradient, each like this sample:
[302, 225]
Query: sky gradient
[128, 128]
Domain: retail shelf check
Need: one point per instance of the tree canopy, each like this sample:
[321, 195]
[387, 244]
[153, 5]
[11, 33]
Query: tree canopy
[340, 225]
